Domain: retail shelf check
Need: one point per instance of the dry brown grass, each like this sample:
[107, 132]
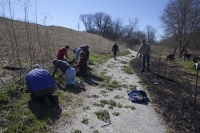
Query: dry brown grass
[41, 47]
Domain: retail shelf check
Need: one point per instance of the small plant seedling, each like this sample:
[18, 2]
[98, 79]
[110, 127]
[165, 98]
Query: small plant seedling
[77, 131]
[103, 115]
[116, 113]
[86, 107]
[127, 70]
[85, 121]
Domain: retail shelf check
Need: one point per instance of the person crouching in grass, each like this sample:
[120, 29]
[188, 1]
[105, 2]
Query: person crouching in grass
[41, 85]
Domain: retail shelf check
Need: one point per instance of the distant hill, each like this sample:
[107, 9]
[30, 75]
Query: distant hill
[25, 40]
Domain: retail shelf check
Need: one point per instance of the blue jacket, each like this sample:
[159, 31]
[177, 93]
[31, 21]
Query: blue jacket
[39, 79]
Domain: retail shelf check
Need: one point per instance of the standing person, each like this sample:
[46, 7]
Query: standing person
[115, 49]
[184, 54]
[70, 73]
[87, 52]
[41, 85]
[63, 52]
[82, 65]
[145, 51]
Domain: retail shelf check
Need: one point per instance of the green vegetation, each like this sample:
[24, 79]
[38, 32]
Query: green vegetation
[99, 58]
[128, 70]
[131, 107]
[85, 121]
[103, 115]
[86, 107]
[21, 114]
[111, 85]
[116, 113]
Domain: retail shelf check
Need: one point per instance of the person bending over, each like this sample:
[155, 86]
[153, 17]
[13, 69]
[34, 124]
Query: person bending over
[41, 85]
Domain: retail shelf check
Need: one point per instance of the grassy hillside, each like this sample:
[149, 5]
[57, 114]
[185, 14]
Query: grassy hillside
[23, 44]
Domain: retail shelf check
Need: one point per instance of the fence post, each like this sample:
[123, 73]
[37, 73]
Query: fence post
[195, 93]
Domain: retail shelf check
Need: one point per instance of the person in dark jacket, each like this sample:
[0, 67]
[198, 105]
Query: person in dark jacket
[82, 65]
[69, 71]
[41, 85]
[115, 49]
[63, 52]
[85, 49]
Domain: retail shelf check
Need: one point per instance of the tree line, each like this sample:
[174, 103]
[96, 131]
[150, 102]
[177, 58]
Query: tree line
[102, 24]
[181, 22]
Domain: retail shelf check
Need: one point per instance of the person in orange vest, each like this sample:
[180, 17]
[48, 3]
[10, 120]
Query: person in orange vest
[63, 52]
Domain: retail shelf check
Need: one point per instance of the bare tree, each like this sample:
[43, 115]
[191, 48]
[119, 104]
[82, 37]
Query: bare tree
[130, 28]
[150, 33]
[117, 28]
[102, 22]
[181, 19]
[87, 20]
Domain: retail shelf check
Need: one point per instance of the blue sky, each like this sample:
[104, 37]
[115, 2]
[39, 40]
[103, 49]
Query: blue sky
[66, 13]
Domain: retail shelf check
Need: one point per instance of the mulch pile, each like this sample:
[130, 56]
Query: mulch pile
[172, 91]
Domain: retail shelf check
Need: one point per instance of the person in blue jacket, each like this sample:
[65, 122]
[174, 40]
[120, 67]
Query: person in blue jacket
[41, 85]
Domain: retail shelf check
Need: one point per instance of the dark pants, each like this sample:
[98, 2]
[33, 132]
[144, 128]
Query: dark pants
[41, 98]
[81, 73]
[145, 57]
[115, 53]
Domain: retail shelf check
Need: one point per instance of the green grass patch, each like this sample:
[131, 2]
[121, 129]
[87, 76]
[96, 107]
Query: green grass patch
[103, 115]
[116, 113]
[86, 107]
[131, 107]
[99, 58]
[85, 121]
[128, 70]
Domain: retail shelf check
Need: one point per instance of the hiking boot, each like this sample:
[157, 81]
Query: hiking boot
[48, 102]
[149, 70]
[142, 71]
[54, 100]
[80, 84]
[76, 84]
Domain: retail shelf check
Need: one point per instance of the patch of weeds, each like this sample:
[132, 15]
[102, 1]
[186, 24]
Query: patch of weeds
[128, 70]
[119, 105]
[110, 107]
[86, 107]
[95, 131]
[103, 91]
[95, 104]
[77, 131]
[123, 62]
[134, 87]
[104, 94]
[131, 107]
[110, 66]
[104, 102]
[116, 113]
[118, 97]
[112, 103]
[103, 115]
[85, 121]
[99, 58]
[125, 86]
[93, 96]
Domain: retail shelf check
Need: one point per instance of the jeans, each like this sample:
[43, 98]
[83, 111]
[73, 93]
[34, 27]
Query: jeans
[145, 57]
[70, 76]
[184, 58]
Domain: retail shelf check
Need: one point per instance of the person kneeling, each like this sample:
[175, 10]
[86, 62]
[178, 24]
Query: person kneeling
[82, 65]
[41, 85]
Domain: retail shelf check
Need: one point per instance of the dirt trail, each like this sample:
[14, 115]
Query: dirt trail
[142, 119]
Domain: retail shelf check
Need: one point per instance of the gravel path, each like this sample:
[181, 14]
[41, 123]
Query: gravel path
[142, 119]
